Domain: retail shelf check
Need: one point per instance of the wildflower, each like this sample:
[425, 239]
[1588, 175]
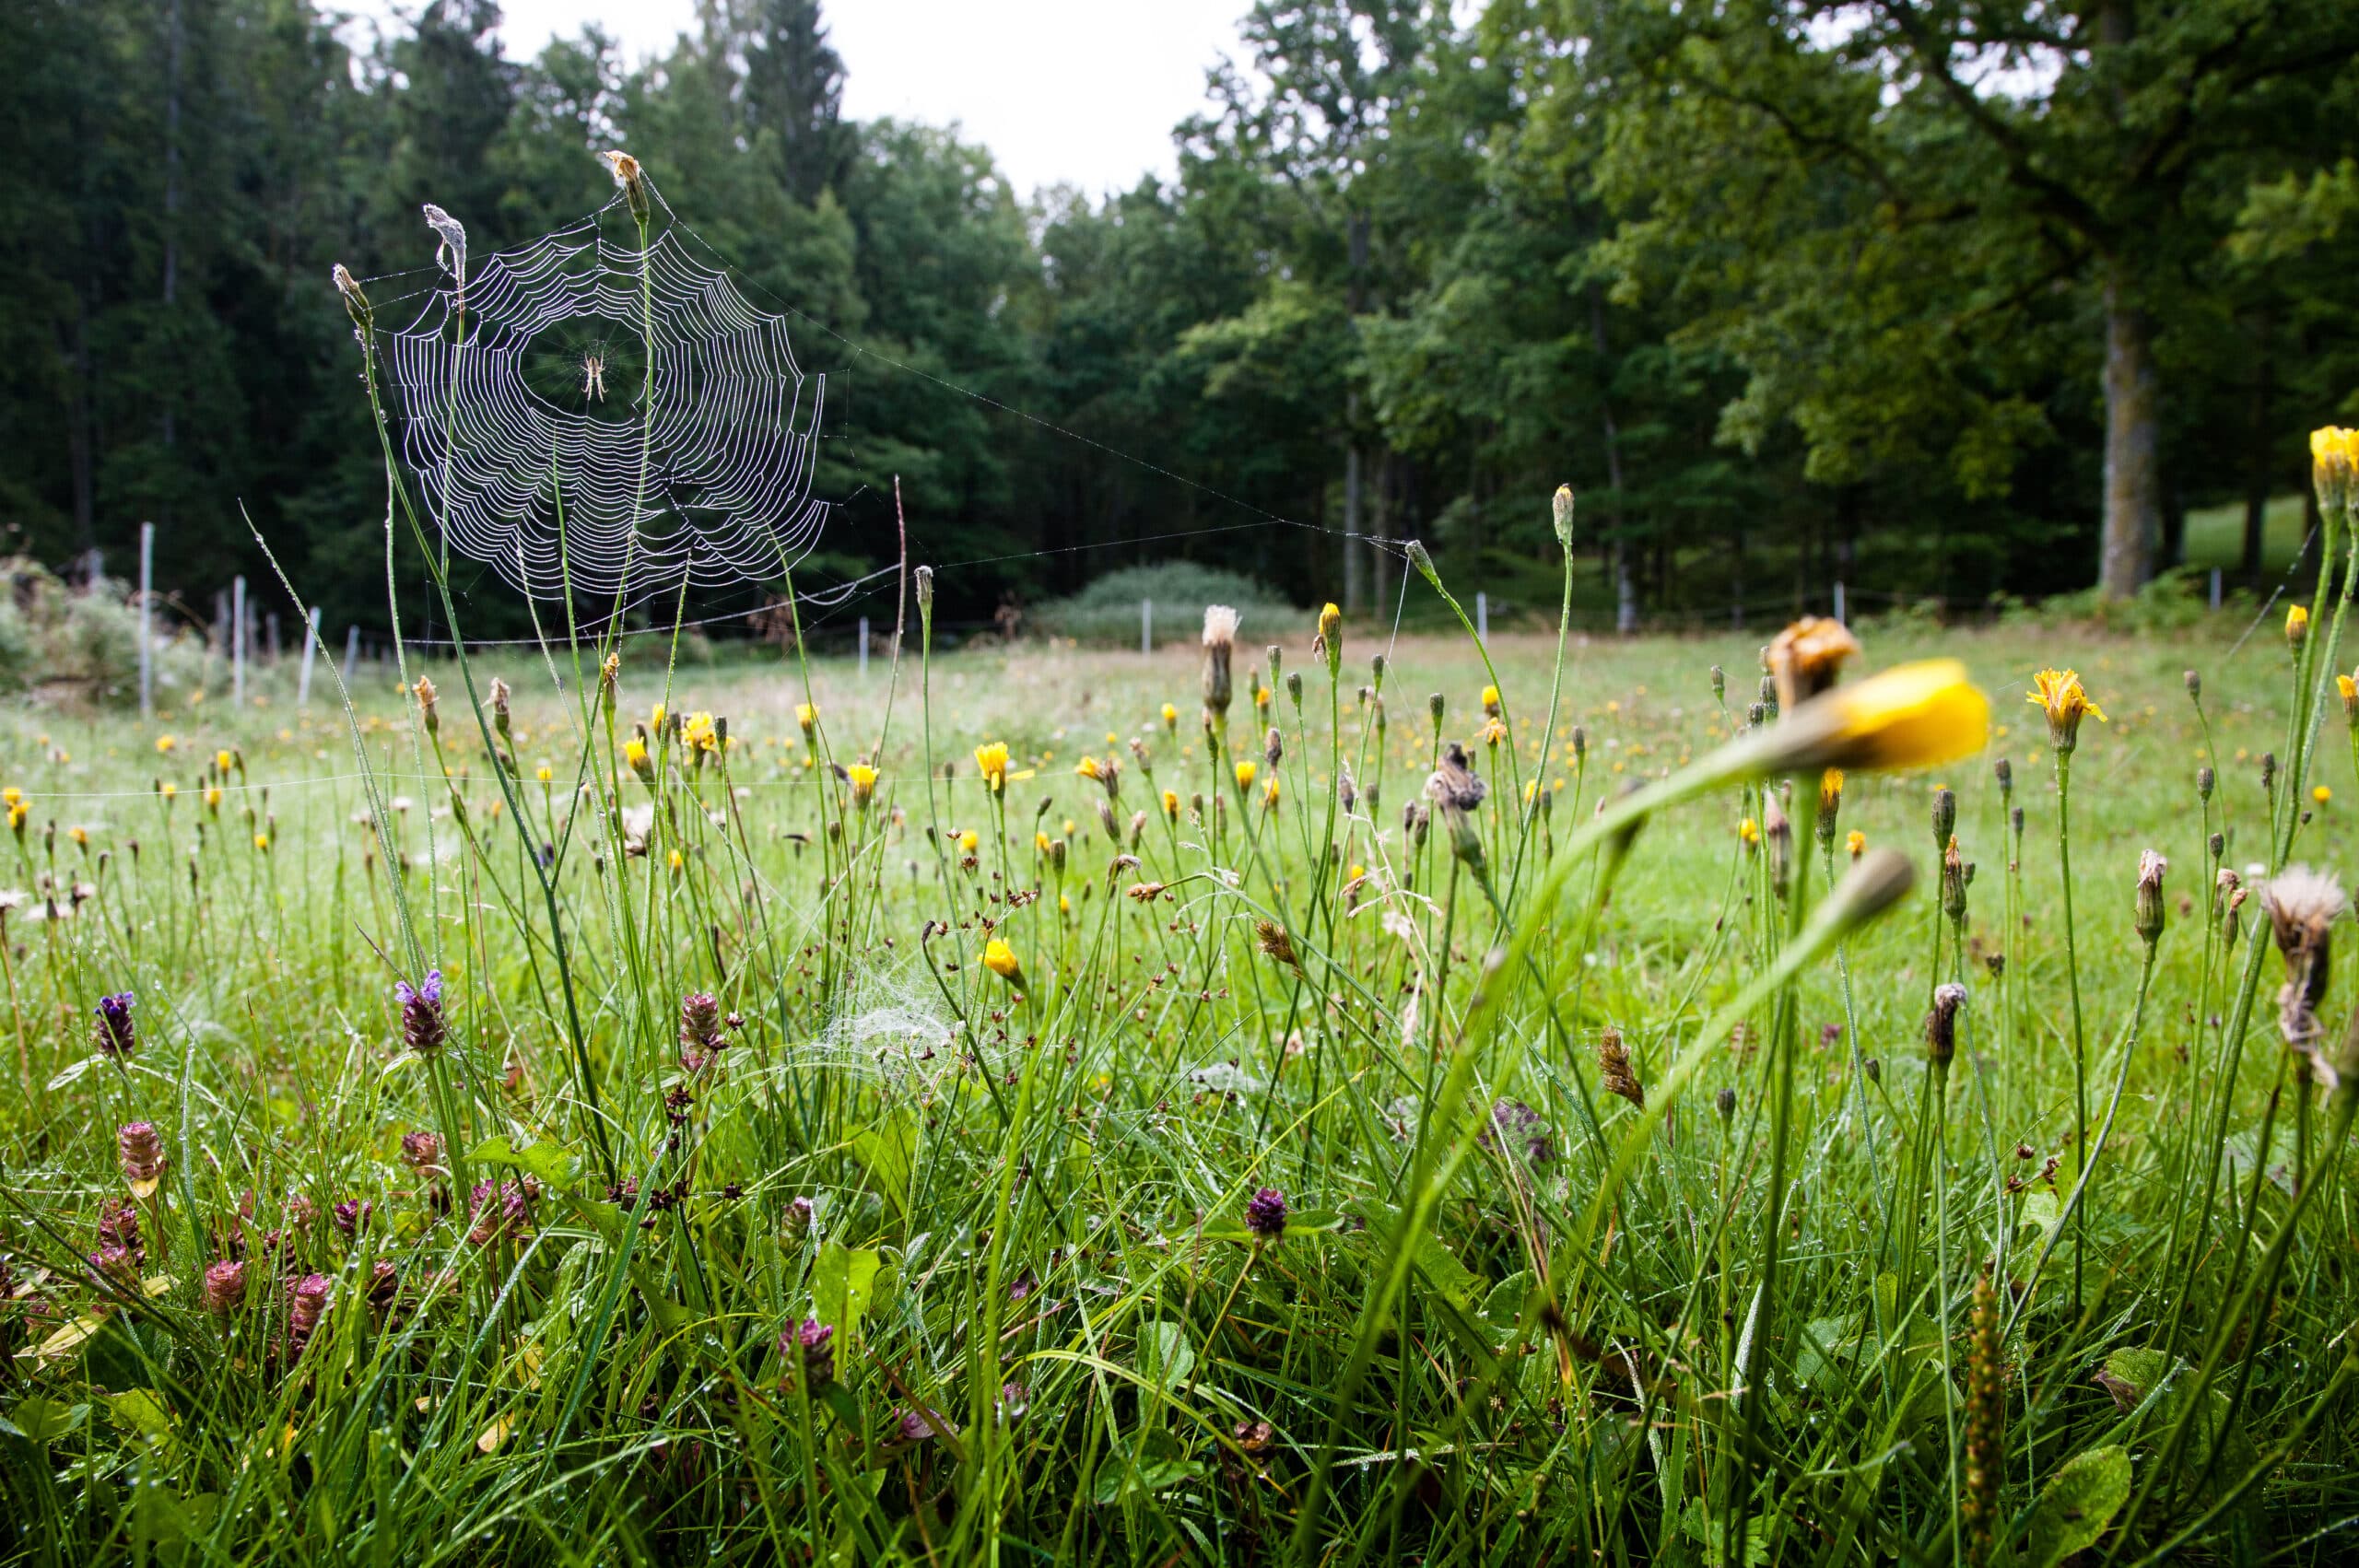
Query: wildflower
[1458, 791]
[1273, 940]
[1330, 640]
[967, 841]
[140, 1149]
[423, 692]
[1805, 659]
[991, 761]
[422, 1152]
[1171, 720]
[1245, 771]
[1944, 816]
[1560, 515]
[1958, 875]
[2060, 693]
[307, 1304]
[224, 1290]
[863, 780]
[1171, 805]
[1911, 716]
[1270, 794]
[2297, 627]
[497, 1209]
[544, 773]
[918, 1425]
[356, 302]
[1514, 1125]
[1748, 833]
[1613, 1068]
[1941, 1025]
[351, 1215]
[1778, 834]
[1000, 959]
[1491, 701]
[700, 1024]
[2151, 866]
[810, 1348]
[700, 732]
[116, 1035]
[164, 744]
[1219, 638]
[225, 759]
[423, 1031]
[2334, 457]
[2320, 793]
[2349, 688]
[1830, 803]
[261, 842]
[634, 756]
[1265, 1213]
[2302, 905]
[632, 181]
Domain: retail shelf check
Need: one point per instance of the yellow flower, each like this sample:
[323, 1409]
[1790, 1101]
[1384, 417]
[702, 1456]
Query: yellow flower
[1170, 719]
[1171, 805]
[1262, 695]
[863, 783]
[1000, 959]
[656, 718]
[1830, 790]
[699, 733]
[966, 842]
[2298, 625]
[1086, 767]
[677, 860]
[1244, 774]
[2060, 694]
[807, 715]
[11, 795]
[222, 759]
[635, 754]
[1749, 831]
[1040, 841]
[79, 834]
[261, 842]
[1857, 842]
[2334, 456]
[213, 796]
[2321, 794]
[1493, 732]
[991, 761]
[1491, 701]
[1911, 716]
[165, 743]
[18, 813]
[1270, 794]
[1331, 637]
[544, 773]
[168, 789]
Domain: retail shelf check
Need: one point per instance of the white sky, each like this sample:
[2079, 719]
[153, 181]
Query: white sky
[1084, 91]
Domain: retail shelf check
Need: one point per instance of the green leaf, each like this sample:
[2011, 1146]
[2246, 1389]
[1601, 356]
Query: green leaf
[138, 1411]
[1503, 1305]
[551, 1163]
[40, 1420]
[842, 1282]
[2077, 1504]
[1440, 1269]
[888, 1151]
[1165, 1356]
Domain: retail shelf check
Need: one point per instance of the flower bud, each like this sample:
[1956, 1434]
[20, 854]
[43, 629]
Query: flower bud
[2151, 866]
[1941, 1025]
[2204, 781]
[1560, 510]
[1944, 816]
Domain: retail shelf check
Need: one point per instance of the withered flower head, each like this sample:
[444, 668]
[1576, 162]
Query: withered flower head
[1613, 1068]
[1941, 1025]
[1806, 657]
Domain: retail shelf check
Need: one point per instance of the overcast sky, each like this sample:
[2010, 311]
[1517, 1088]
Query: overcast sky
[1084, 91]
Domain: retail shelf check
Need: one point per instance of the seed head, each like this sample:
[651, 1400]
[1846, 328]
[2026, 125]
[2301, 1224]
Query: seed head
[428, 699]
[2302, 905]
[632, 180]
[1613, 1068]
[1806, 657]
[1219, 638]
[1941, 1025]
[1272, 938]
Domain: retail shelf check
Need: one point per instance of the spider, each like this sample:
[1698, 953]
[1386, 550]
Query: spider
[593, 377]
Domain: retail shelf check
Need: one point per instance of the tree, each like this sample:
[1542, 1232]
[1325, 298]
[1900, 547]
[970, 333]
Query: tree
[1914, 181]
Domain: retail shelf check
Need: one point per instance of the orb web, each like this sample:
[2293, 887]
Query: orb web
[572, 444]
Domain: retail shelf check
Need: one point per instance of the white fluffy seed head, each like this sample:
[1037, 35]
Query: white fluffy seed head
[1220, 626]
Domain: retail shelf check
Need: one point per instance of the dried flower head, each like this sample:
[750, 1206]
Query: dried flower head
[1219, 639]
[1940, 1024]
[1272, 938]
[1806, 657]
[1614, 1069]
[2302, 905]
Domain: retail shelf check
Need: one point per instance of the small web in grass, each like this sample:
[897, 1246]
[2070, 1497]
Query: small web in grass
[573, 441]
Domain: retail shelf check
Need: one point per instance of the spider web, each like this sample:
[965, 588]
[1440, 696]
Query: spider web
[541, 478]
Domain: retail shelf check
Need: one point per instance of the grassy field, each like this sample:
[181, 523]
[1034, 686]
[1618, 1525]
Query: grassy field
[731, 1199]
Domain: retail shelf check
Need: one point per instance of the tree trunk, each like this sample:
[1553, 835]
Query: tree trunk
[2132, 468]
[1355, 558]
[1625, 589]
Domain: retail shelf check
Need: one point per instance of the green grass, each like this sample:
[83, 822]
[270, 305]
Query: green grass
[977, 1183]
[2215, 536]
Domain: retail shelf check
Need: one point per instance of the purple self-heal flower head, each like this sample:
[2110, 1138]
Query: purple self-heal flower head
[116, 1035]
[422, 1027]
[225, 1286]
[1265, 1213]
[811, 1345]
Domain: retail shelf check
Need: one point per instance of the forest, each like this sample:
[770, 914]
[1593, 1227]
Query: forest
[1950, 303]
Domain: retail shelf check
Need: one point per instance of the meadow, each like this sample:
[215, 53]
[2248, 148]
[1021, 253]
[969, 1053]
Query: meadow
[738, 1113]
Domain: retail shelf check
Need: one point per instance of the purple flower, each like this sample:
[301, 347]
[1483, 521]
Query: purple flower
[118, 1266]
[351, 1215]
[225, 1286]
[917, 1425]
[141, 1149]
[422, 1028]
[498, 1208]
[307, 1304]
[116, 1035]
[811, 1346]
[421, 1151]
[1512, 1123]
[1265, 1213]
[119, 1227]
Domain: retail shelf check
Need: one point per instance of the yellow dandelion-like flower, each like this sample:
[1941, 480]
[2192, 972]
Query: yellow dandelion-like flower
[1000, 959]
[1749, 832]
[2298, 624]
[656, 718]
[79, 834]
[862, 779]
[168, 789]
[222, 759]
[806, 715]
[991, 761]
[677, 860]
[2321, 794]
[11, 795]
[1040, 842]
[1856, 842]
[261, 842]
[1244, 774]
[1270, 794]
[1086, 768]
[164, 743]
[2061, 695]
[1262, 695]
[700, 732]
[1491, 701]
[635, 754]
[966, 842]
[212, 796]
[1170, 719]
[544, 773]
[1830, 789]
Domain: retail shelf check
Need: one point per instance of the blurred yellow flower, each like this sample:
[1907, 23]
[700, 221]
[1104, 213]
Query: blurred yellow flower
[165, 743]
[806, 715]
[966, 842]
[1749, 831]
[864, 784]
[1171, 805]
[991, 761]
[1244, 774]
[1170, 718]
[2298, 624]
[1857, 842]
[261, 842]
[1491, 701]
[2321, 794]
[1000, 959]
